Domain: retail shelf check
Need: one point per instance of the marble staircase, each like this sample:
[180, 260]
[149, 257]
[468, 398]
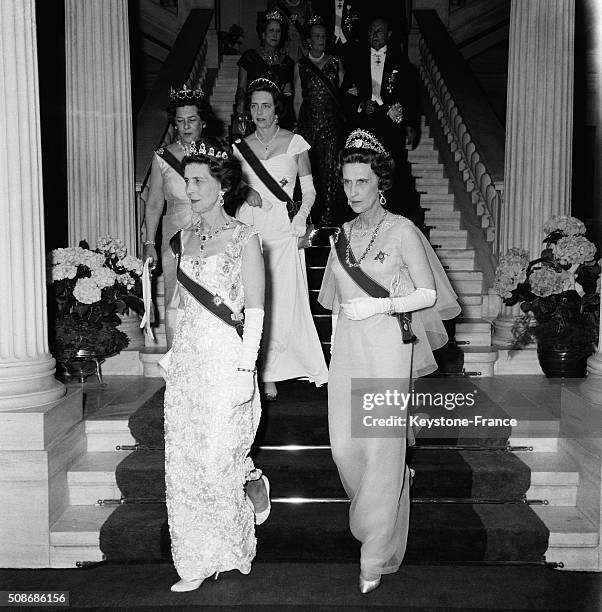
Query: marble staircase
[450, 241]
[555, 476]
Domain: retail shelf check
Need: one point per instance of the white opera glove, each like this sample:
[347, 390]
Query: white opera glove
[334, 319]
[244, 380]
[308, 196]
[362, 308]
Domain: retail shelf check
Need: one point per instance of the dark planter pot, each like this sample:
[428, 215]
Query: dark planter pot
[559, 361]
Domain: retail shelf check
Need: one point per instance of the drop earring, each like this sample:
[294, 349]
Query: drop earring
[382, 197]
[220, 198]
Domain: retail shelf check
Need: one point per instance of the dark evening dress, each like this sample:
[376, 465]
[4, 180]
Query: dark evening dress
[321, 123]
[281, 74]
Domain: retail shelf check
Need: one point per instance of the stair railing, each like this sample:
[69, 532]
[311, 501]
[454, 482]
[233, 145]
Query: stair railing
[185, 64]
[474, 134]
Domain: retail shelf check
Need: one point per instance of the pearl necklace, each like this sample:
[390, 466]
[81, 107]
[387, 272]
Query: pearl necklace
[205, 237]
[372, 239]
[316, 59]
[269, 142]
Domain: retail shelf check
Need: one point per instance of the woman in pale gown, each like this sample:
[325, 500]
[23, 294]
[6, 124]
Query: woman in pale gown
[212, 406]
[367, 344]
[291, 347]
[188, 112]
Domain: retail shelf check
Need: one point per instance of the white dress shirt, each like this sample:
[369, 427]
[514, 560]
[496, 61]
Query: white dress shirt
[377, 65]
[338, 22]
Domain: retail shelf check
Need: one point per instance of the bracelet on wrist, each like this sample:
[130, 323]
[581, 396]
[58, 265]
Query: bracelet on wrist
[147, 242]
[245, 370]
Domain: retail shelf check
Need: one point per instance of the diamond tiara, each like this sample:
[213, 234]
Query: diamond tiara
[362, 139]
[202, 149]
[316, 20]
[185, 93]
[274, 16]
[264, 81]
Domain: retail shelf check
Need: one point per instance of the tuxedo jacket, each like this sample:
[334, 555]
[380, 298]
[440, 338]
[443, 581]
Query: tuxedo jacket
[399, 84]
[353, 19]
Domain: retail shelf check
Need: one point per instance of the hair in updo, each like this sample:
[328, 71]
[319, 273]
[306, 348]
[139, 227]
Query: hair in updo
[382, 165]
[203, 108]
[226, 171]
[262, 24]
[264, 85]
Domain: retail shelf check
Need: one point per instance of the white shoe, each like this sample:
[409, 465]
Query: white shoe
[182, 586]
[262, 517]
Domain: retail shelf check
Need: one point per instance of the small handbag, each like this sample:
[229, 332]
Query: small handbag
[402, 285]
[269, 181]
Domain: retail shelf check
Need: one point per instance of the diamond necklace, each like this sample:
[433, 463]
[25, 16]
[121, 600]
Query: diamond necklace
[186, 148]
[269, 142]
[372, 239]
[204, 237]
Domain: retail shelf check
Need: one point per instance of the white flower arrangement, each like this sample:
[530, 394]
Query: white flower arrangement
[91, 288]
[558, 292]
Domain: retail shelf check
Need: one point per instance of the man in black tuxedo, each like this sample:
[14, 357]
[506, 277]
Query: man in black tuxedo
[382, 95]
[343, 20]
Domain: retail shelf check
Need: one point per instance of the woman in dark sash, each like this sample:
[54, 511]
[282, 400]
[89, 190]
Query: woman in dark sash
[320, 120]
[189, 113]
[380, 265]
[212, 406]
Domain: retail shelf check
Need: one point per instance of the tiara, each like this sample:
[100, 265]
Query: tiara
[185, 93]
[201, 149]
[265, 82]
[316, 20]
[362, 139]
[274, 16]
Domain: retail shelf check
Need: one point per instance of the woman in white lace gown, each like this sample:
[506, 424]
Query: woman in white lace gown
[291, 347]
[212, 406]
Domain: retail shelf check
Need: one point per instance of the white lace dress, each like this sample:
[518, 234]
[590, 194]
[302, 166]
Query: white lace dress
[207, 438]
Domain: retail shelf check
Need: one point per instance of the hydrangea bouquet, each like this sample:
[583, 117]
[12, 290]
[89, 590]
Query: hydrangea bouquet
[559, 293]
[91, 288]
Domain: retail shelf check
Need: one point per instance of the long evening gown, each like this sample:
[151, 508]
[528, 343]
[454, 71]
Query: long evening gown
[290, 346]
[207, 437]
[373, 470]
[321, 124]
[177, 216]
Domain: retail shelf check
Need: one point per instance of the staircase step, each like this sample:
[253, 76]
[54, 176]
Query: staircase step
[92, 477]
[466, 281]
[471, 310]
[554, 477]
[312, 474]
[439, 534]
[75, 536]
[449, 239]
[426, 199]
[438, 207]
[479, 359]
[432, 185]
[457, 259]
[421, 156]
[103, 435]
[428, 170]
[475, 331]
[573, 540]
[426, 143]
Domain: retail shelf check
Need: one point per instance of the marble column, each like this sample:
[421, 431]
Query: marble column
[26, 366]
[539, 122]
[99, 122]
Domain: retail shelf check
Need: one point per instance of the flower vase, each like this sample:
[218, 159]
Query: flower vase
[130, 326]
[561, 361]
